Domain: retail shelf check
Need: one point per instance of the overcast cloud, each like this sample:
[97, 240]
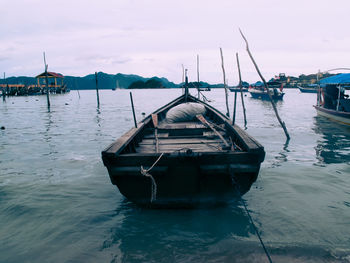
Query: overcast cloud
[154, 37]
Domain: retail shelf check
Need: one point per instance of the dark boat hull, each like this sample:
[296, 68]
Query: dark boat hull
[265, 96]
[185, 179]
[238, 89]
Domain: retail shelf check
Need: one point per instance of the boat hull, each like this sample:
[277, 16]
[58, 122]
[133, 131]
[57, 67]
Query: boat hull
[338, 116]
[185, 179]
[265, 96]
[308, 90]
[238, 89]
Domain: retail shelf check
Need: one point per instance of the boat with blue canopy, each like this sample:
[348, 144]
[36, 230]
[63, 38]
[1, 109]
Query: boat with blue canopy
[332, 100]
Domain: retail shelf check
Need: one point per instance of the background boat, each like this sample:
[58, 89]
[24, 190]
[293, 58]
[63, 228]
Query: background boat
[258, 91]
[310, 88]
[237, 89]
[333, 102]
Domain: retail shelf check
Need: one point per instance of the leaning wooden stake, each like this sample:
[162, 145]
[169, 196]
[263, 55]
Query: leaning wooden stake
[234, 108]
[47, 84]
[225, 87]
[240, 87]
[98, 97]
[266, 87]
[133, 110]
[76, 86]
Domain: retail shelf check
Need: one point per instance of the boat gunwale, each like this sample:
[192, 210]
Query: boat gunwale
[333, 112]
[250, 144]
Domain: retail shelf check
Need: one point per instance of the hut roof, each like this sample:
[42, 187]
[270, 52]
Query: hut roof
[50, 75]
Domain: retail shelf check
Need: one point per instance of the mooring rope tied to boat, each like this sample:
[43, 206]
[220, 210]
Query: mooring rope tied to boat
[251, 219]
[256, 231]
[154, 184]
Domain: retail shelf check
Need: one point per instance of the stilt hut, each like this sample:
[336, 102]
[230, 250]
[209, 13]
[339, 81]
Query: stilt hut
[56, 84]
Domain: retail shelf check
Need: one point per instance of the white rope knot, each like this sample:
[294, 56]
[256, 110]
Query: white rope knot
[145, 172]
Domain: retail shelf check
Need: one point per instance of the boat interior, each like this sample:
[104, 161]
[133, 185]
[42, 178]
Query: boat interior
[209, 132]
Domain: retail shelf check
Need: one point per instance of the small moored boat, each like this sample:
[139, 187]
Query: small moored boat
[258, 91]
[186, 153]
[310, 88]
[332, 102]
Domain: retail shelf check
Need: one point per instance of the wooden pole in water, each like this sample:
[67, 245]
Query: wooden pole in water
[76, 86]
[226, 93]
[3, 90]
[240, 87]
[133, 110]
[186, 86]
[198, 75]
[47, 84]
[97, 95]
[266, 87]
[183, 78]
[234, 108]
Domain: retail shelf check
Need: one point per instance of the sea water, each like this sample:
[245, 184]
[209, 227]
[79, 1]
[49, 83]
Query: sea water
[57, 203]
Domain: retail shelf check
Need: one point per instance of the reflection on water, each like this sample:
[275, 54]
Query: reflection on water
[282, 156]
[146, 235]
[334, 144]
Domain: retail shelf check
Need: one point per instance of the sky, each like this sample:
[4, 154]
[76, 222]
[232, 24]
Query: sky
[156, 37]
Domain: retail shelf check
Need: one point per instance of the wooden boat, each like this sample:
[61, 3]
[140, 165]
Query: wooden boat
[332, 102]
[310, 88]
[258, 91]
[202, 160]
[204, 89]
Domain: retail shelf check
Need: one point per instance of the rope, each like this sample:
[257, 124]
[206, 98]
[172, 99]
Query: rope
[154, 184]
[204, 97]
[256, 230]
[251, 221]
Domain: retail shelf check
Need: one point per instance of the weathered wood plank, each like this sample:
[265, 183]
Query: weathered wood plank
[181, 125]
[249, 143]
[205, 122]
[119, 144]
[208, 158]
[212, 147]
[180, 141]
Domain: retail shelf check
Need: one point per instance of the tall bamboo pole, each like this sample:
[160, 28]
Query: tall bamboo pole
[240, 87]
[183, 78]
[198, 75]
[266, 87]
[97, 95]
[186, 86]
[47, 84]
[3, 91]
[224, 75]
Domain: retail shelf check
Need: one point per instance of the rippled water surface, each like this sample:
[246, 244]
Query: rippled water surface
[57, 203]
